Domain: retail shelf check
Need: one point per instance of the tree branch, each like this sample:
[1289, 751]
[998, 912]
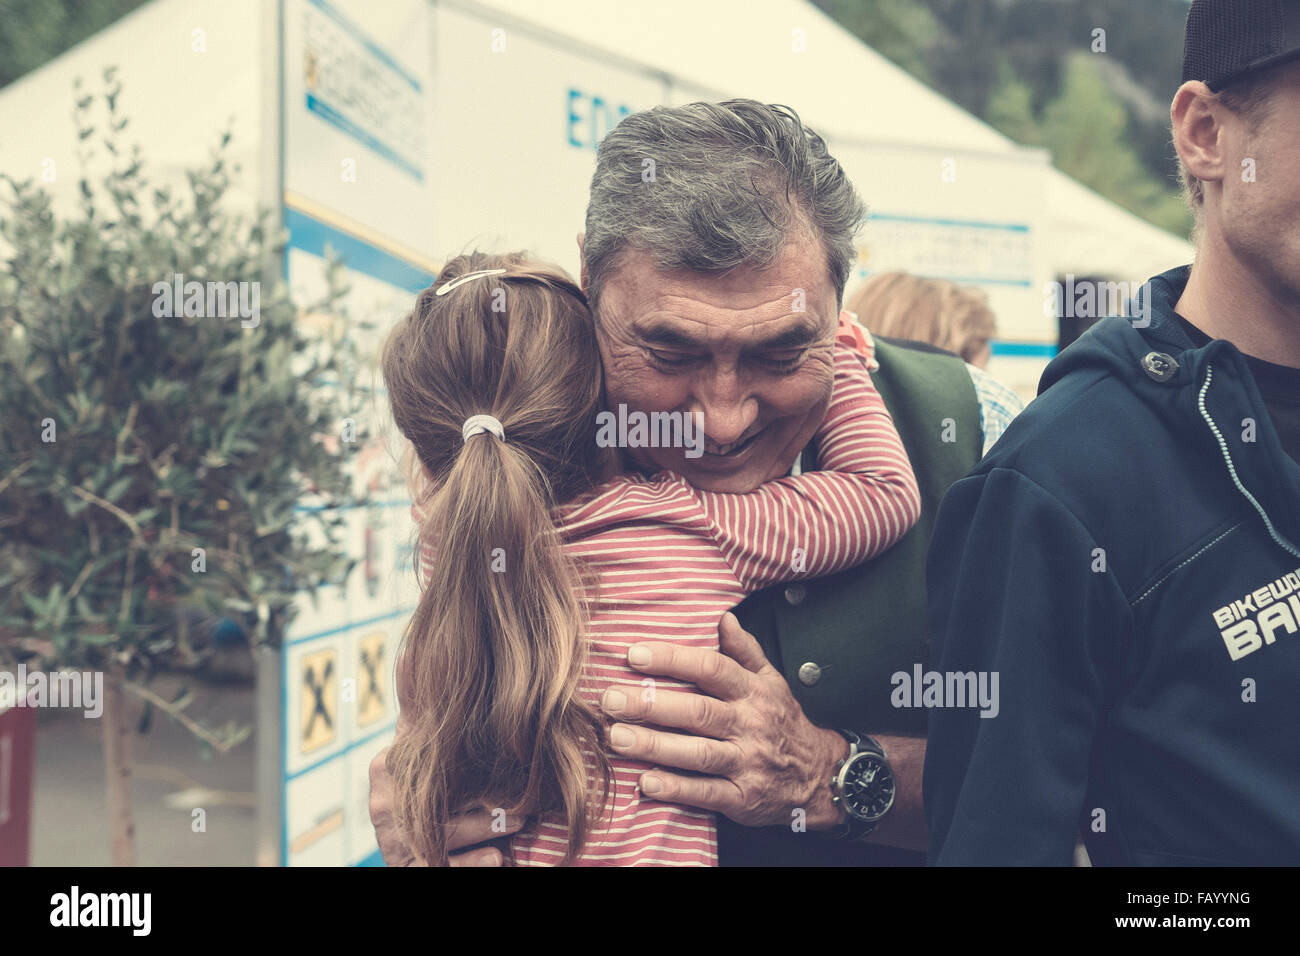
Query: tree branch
[110, 508]
[216, 741]
[127, 426]
[14, 475]
[81, 579]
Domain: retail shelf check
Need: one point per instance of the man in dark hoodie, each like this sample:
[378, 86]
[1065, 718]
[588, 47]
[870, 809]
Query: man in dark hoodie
[1126, 560]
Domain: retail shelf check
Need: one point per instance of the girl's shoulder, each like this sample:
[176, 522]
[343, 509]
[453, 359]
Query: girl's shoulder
[663, 497]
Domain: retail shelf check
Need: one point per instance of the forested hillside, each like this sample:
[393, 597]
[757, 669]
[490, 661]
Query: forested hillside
[1039, 71]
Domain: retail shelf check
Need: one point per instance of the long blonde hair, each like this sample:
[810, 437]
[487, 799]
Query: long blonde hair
[490, 663]
[906, 306]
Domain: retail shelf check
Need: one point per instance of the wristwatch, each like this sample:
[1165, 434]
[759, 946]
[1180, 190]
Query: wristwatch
[863, 785]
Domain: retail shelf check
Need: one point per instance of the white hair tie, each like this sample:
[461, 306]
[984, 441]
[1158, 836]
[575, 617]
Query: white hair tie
[478, 424]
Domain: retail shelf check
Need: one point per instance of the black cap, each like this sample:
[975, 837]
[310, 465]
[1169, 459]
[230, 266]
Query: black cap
[1227, 39]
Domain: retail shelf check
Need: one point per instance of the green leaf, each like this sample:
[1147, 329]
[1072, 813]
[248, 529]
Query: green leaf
[86, 612]
[116, 489]
[38, 607]
[61, 609]
[145, 516]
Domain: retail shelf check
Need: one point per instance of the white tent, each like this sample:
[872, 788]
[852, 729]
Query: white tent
[1090, 235]
[790, 52]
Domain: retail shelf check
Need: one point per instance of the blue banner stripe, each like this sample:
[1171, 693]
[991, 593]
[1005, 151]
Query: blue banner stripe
[312, 235]
[1024, 349]
[312, 509]
[373, 48]
[968, 223]
[349, 626]
[331, 115]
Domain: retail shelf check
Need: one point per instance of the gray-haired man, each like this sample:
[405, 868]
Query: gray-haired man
[719, 239]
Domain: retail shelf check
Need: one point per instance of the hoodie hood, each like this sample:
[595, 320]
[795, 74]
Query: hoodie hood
[1205, 395]
[1118, 346]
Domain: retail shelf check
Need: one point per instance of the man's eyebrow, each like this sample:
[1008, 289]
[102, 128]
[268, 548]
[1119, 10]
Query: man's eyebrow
[796, 336]
[660, 334]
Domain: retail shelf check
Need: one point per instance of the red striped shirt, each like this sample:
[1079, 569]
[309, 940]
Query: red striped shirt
[669, 560]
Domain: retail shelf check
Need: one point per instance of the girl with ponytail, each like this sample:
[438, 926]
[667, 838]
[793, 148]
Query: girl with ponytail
[540, 561]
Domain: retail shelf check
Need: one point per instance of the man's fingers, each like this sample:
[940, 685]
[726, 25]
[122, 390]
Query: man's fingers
[380, 790]
[698, 713]
[682, 751]
[464, 829]
[738, 644]
[711, 672]
[392, 843]
[708, 793]
[479, 826]
[483, 856]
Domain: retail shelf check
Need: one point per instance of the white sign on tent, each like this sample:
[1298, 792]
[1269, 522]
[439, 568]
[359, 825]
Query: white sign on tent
[357, 164]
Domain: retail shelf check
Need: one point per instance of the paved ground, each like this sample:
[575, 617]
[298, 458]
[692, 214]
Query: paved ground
[70, 825]
[70, 817]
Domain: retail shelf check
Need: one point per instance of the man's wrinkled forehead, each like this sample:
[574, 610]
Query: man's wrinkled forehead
[686, 309]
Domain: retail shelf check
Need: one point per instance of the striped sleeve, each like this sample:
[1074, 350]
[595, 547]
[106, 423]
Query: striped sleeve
[824, 521]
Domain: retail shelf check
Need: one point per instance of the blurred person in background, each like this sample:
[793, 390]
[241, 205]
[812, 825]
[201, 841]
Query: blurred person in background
[904, 306]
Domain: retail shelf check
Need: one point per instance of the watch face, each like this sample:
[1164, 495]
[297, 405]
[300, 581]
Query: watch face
[868, 790]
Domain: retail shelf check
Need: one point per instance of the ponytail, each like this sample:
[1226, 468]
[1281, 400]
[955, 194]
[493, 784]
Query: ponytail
[491, 660]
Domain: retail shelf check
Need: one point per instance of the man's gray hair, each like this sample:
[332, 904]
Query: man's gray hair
[713, 186]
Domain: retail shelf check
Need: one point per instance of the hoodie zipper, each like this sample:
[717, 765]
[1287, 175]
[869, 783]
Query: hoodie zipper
[1232, 470]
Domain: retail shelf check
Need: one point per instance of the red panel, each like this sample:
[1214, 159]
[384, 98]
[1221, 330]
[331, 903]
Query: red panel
[17, 756]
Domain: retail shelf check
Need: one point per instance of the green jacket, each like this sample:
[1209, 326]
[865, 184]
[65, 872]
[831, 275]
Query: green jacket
[839, 639]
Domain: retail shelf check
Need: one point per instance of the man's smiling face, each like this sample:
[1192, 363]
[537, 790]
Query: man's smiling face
[735, 347]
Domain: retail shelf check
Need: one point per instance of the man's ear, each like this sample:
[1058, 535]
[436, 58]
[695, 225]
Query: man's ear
[1196, 119]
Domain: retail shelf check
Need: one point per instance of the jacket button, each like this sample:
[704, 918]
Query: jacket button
[1159, 366]
[809, 674]
[795, 593]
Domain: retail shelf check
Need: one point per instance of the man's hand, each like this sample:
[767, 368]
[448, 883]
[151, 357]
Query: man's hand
[464, 829]
[764, 758]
